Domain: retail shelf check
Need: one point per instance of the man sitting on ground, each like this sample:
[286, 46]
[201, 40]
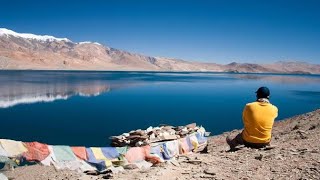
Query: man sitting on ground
[258, 118]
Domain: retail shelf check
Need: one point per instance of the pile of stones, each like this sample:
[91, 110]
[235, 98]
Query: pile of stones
[153, 134]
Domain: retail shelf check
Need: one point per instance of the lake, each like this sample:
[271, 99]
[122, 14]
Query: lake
[86, 108]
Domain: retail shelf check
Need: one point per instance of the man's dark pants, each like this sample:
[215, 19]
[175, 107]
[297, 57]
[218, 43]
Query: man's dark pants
[238, 140]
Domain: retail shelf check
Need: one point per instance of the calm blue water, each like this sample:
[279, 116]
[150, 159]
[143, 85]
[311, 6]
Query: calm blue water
[85, 108]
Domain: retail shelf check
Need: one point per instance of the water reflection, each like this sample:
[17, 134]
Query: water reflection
[27, 93]
[26, 87]
[290, 79]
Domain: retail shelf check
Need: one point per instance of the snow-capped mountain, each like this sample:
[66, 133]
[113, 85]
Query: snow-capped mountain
[30, 51]
[7, 32]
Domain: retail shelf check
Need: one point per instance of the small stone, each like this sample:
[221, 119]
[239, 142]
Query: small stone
[174, 162]
[259, 157]
[107, 176]
[93, 173]
[272, 170]
[131, 166]
[296, 127]
[312, 127]
[269, 147]
[210, 171]
[195, 162]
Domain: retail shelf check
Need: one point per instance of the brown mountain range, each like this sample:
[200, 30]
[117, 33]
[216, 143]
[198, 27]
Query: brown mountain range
[37, 52]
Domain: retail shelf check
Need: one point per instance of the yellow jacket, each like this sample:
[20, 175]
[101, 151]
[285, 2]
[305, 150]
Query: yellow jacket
[258, 118]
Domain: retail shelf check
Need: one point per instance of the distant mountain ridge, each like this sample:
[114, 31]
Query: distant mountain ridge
[44, 52]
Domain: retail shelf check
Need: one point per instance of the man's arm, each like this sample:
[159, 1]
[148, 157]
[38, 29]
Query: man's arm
[276, 114]
[244, 114]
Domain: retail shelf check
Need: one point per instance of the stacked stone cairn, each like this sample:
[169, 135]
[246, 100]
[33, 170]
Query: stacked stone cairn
[140, 137]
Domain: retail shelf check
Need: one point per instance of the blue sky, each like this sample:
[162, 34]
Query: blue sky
[200, 30]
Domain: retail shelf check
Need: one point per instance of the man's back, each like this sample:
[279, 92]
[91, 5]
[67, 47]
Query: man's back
[258, 118]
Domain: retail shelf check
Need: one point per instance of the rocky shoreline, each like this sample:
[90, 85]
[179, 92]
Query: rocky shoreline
[295, 154]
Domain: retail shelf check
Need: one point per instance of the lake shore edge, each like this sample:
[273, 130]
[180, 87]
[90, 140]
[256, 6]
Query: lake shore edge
[296, 155]
[159, 71]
